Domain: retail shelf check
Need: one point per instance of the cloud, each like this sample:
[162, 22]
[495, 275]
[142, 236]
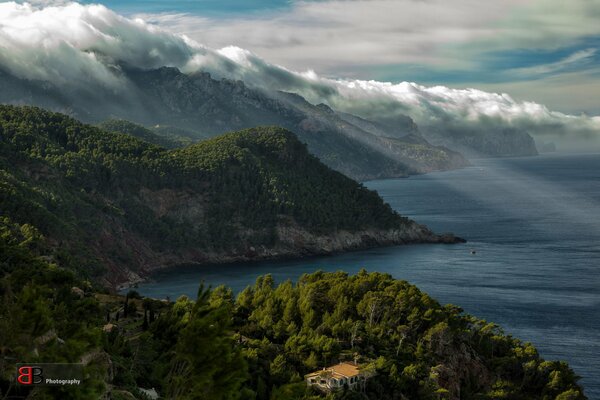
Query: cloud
[571, 92]
[576, 59]
[60, 43]
[341, 38]
[327, 34]
[433, 41]
[436, 108]
[75, 44]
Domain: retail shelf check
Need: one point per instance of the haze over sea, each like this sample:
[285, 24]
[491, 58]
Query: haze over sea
[534, 224]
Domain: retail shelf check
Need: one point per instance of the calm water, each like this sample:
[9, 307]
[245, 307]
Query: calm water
[535, 225]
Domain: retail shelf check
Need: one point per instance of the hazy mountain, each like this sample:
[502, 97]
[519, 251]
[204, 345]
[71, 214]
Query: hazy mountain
[493, 141]
[89, 51]
[202, 107]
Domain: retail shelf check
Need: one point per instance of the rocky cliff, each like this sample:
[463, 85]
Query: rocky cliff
[494, 142]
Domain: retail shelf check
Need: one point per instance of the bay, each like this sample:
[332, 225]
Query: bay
[534, 226]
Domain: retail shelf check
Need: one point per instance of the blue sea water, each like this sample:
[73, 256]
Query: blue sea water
[534, 224]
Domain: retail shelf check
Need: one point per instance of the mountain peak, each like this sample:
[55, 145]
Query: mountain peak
[325, 108]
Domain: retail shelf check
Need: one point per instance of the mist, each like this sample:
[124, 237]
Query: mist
[78, 45]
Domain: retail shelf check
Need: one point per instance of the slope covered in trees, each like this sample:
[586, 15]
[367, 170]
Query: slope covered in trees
[76, 200]
[259, 344]
[116, 206]
[159, 136]
[418, 348]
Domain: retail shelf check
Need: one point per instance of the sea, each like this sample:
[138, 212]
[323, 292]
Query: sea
[531, 263]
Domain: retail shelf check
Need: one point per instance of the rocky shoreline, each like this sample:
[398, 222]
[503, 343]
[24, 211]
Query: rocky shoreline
[294, 243]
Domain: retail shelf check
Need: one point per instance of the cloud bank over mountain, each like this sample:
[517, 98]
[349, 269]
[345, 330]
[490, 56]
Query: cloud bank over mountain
[329, 35]
[73, 44]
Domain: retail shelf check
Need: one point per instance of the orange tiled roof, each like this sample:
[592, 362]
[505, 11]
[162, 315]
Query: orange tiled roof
[345, 369]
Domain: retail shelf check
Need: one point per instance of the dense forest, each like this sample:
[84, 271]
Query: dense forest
[259, 343]
[109, 201]
[166, 137]
[77, 200]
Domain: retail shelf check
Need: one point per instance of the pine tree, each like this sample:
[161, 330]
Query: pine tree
[208, 365]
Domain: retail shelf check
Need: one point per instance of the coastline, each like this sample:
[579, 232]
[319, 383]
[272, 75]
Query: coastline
[341, 242]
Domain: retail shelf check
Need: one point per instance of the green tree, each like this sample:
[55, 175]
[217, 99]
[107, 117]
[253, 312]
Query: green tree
[208, 365]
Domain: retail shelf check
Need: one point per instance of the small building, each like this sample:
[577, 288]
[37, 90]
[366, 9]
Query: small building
[152, 394]
[336, 377]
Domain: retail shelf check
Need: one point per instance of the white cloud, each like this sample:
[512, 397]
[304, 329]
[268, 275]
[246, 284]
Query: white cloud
[65, 42]
[327, 34]
[571, 92]
[435, 108]
[334, 35]
[76, 44]
[575, 59]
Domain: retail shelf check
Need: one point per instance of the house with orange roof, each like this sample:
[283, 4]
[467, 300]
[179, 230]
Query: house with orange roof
[336, 377]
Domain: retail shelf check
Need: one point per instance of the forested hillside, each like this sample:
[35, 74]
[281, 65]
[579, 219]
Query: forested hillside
[78, 201]
[259, 344]
[159, 136]
[114, 206]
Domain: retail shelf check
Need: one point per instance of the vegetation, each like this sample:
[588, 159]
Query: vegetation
[161, 136]
[42, 319]
[106, 199]
[72, 199]
[259, 344]
[419, 349]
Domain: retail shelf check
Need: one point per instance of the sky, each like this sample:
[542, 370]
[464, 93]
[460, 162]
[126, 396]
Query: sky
[460, 65]
[546, 51]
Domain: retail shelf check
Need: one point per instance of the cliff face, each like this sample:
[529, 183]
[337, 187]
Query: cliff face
[117, 207]
[292, 241]
[507, 142]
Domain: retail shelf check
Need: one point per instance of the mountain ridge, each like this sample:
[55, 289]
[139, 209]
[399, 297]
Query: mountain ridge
[129, 207]
[199, 103]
